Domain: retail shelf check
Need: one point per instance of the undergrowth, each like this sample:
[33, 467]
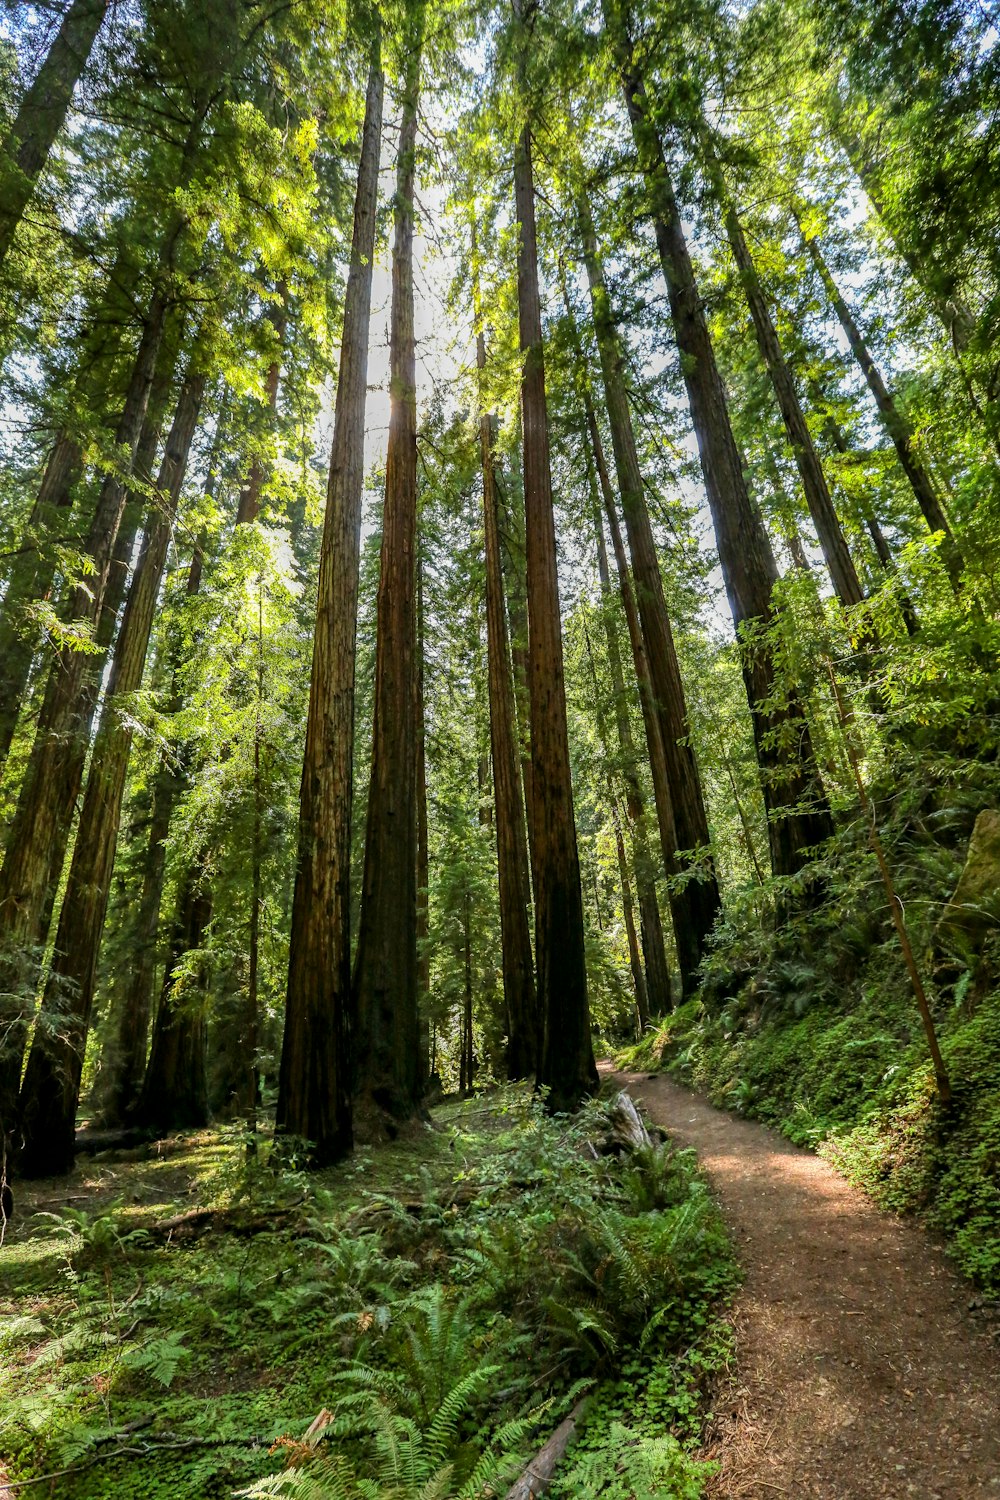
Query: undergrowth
[413, 1323]
[815, 1030]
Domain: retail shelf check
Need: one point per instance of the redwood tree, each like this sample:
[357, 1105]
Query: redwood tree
[567, 1058]
[315, 1084]
[798, 813]
[386, 980]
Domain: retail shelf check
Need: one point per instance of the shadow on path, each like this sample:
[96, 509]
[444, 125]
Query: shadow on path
[858, 1377]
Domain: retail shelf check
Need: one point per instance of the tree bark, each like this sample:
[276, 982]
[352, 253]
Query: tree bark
[385, 975]
[512, 847]
[315, 1080]
[175, 1089]
[42, 112]
[883, 551]
[798, 813]
[41, 824]
[838, 559]
[628, 907]
[567, 1066]
[657, 973]
[510, 518]
[896, 424]
[423, 855]
[697, 905]
[29, 582]
[50, 1091]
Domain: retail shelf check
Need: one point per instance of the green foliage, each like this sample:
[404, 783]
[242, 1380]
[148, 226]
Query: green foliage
[441, 1297]
[632, 1466]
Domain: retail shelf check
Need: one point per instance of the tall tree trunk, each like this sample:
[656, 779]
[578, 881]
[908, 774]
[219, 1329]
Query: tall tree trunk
[512, 847]
[51, 1086]
[567, 1059]
[628, 908]
[798, 813]
[510, 517]
[628, 913]
[657, 973]
[894, 421]
[134, 1006]
[42, 111]
[883, 551]
[315, 1080]
[697, 905]
[175, 1089]
[39, 831]
[385, 976]
[29, 582]
[817, 492]
[423, 854]
[467, 1068]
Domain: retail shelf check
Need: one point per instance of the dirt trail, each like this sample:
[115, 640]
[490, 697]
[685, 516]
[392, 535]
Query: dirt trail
[859, 1374]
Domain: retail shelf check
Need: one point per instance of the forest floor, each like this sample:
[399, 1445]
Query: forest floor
[859, 1374]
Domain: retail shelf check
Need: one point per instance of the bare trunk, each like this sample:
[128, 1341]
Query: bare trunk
[42, 112]
[175, 1090]
[894, 421]
[40, 828]
[385, 975]
[695, 907]
[468, 1064]
[51, 1085]
[29, 581]
[315, 1082]
[798, 813]
[423, 855]
[818, 498]
[628, 909]
[567, 1059]
[511, 522]
[512, 847]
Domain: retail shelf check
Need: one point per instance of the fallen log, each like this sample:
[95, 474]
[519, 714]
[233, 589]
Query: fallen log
[89, 1142]
[540, 1472]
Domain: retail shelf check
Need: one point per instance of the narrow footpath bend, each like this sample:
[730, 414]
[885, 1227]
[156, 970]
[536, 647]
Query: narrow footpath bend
[859, 1375]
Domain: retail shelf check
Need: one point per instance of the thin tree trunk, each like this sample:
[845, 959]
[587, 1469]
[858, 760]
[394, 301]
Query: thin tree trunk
[894, 421]
[567, 1060]
[468, 1067]
[512, 847]
[817, 492]
[628, 909]
[252, 1018]
[883, 551]
[51, 1084]
[798, 813]
[657, 972]
[315, 1080]
[134, 1007]
[423, 854]
[175, 1090]
[697, 905]
[42, 112]
[628, 912]
[385, 975]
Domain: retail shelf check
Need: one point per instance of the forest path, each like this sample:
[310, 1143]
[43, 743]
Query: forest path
[859, 1375]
